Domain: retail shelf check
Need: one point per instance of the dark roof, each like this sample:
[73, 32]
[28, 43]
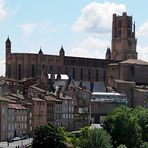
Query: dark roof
[62, 49]
[98, 86]
[8, 40]
[40, 51]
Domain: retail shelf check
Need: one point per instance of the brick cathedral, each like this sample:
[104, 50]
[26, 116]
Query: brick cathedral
[25, 65]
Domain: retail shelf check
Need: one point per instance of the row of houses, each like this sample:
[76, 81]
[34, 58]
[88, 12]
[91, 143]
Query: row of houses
[20, 115]
[25, 106]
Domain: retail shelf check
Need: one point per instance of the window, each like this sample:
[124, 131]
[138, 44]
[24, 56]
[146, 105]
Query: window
[33, 70]
[89, 75]
[119, 23]
[132, 69]
[65, 101]
[3, 111]
[129, 23]
[9, 70]
[73, 73]
[81, 73]
[96, 74]
[19, 72]
[51, 67]
[8, 118]
[119, 33]
[66, 70]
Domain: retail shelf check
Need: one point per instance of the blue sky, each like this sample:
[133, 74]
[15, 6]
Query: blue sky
[83, 27]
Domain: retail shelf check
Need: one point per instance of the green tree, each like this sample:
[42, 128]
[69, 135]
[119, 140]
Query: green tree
[144, 145]
[48, 136]
[94, 138]
[122, 124]
[142, 117]
[121, 146]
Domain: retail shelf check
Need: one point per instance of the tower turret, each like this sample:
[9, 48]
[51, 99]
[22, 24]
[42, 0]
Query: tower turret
[40, 51]
[8, 46]
[108, 54]
[62, 52]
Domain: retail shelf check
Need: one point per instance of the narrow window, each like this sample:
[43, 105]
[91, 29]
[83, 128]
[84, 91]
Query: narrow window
[81, 74]
[19, 72]
[9, 71]
[73, 73]
[33, 70]
[89, 75]
[96, 74]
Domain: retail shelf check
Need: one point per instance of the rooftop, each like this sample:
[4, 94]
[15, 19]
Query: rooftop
[134, 61]
[51, 98]
[37, 88]
[122, 81]
[16, 106]
[38, 99]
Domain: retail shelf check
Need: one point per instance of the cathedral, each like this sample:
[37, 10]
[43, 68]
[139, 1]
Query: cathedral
[123, 47]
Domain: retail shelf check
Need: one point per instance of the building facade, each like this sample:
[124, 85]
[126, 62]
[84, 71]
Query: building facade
[103, 103]
[24, 65]
[17, 121]
[3, 119]
[130, 77]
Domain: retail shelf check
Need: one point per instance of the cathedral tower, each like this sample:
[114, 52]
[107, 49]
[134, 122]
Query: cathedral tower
[123, 38]
[108, 54]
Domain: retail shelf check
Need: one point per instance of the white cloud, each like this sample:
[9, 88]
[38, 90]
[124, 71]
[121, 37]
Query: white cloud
[41, 28]
[142, 53]
[142, 47]
[27, 28]
[49, 27]
[91, 47]
[3, 12]
[14, 11]
[143, 30]
[97, 17]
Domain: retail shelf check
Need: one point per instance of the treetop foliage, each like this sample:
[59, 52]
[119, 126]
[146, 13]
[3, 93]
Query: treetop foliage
[127, 126]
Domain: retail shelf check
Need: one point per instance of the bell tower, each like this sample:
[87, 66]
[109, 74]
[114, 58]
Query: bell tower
[123, 38]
